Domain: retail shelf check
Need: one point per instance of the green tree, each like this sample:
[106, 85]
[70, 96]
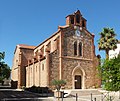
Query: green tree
[110, 71]
[58, 84]
[107, 41]
[4, 68]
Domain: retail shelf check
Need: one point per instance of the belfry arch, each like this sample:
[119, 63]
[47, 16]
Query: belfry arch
[78, 78]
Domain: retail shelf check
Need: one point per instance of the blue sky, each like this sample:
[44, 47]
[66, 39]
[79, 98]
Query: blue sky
[32, 21]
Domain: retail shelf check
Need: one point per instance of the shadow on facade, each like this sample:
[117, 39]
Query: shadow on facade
[14, 84]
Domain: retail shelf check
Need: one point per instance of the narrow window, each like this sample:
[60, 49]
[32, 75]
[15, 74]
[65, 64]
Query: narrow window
[78, 18]
[80, 49]
[31, 70]
[75, 48]
[42, 66]
[55, 44]
[72, 20]
[83, 24]
[36, 68]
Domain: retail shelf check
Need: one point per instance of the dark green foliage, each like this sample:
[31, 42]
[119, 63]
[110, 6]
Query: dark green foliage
[110, 73]
[5, 71]
[37, 89]
[58, 84]
[43, 91]
[1, 79]
[4, 68]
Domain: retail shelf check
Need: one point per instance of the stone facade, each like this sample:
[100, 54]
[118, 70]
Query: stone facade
[21, 54]
[69, 54]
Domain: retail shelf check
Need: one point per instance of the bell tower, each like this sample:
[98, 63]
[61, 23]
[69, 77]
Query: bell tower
[76, 19]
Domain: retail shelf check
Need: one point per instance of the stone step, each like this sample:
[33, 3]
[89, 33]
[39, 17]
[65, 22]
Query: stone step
[5, 87]
[85, 92]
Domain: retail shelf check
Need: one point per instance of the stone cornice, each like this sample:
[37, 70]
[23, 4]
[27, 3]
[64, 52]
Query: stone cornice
[77, 58]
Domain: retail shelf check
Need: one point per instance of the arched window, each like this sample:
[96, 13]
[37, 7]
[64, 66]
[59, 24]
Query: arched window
[80, 49]
[75, 48]
[72, 20]
[78, 18]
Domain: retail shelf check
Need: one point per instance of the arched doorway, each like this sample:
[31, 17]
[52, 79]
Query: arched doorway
[78, 76]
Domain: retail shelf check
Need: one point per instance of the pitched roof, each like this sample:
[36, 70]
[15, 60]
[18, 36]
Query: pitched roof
[26, 46]
[49, 38]
[74, 13]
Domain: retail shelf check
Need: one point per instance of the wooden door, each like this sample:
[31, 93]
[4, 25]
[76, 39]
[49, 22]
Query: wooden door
[78, 82]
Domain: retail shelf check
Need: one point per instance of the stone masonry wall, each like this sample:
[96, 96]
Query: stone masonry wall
[14, 75]
[97, 76]
[54, 66]
[26, 54]
[70, 38]
[87, 66]
[86, 61]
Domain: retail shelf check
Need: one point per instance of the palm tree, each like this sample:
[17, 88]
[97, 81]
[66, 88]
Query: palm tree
[107, 41]
[2, 55]
[58, 84]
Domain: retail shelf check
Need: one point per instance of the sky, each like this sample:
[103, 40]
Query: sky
[32, 21]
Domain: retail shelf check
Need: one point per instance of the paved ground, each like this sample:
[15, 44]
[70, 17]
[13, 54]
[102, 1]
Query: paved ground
[98, 97]
[12, 94]
[15, 95]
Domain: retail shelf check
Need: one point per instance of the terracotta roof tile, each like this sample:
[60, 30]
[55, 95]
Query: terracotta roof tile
[26, 46]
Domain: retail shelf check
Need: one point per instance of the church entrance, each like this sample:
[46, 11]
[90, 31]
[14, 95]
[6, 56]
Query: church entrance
[78, 76]
[78, 82]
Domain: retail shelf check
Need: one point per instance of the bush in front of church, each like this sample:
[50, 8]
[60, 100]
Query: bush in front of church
[43, 91]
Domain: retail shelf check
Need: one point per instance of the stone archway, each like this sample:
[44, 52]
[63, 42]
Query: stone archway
[78, 76]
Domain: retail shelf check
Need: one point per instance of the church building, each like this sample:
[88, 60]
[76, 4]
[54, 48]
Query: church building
[68, 54]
